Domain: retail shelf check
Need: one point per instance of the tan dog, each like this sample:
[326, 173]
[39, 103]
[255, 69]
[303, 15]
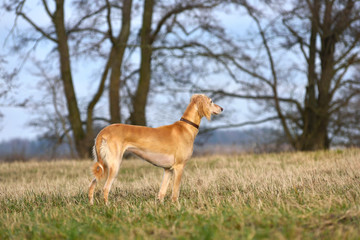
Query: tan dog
[169, 147]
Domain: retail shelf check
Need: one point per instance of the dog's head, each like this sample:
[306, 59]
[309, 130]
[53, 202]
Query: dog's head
[205, 106]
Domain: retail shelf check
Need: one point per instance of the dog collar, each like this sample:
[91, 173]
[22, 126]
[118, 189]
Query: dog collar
[189, 122]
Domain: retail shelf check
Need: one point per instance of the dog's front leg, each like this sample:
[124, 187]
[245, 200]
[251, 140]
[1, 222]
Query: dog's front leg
[178, 171]
[164, 184]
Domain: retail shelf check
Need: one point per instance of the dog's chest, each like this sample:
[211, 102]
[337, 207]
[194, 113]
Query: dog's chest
[158, 159]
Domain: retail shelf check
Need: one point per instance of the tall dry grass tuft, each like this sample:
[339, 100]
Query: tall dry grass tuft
[287, 195]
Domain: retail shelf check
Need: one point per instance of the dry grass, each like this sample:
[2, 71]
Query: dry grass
[277, 196]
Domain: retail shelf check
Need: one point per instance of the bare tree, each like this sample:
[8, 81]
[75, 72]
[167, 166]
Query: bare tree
[61, 35]
[89, 35]
[156, 39]
[52, 121]
[119, 44]
[140, 98]
[326, 34]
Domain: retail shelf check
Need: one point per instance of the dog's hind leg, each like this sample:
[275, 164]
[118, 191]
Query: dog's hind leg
[91, 191]
[113, 168]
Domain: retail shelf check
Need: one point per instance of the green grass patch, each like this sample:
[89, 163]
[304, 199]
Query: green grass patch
[274, 196]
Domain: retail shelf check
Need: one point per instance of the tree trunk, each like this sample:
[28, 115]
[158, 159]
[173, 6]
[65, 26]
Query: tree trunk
[317, 139]
[114, 87]
[306, 142]
[116, 56]
[316, 116]
[66, 77]
[138, 115]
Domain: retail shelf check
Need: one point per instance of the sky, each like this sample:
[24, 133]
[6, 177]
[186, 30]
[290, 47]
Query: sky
[14, 123]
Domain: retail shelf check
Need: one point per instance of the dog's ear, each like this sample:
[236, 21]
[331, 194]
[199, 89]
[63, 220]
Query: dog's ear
[203, 107]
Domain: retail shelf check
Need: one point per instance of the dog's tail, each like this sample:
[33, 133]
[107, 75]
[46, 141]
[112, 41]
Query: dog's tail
[99, 168]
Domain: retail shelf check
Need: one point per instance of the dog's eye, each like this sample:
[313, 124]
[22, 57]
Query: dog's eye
[211, 101]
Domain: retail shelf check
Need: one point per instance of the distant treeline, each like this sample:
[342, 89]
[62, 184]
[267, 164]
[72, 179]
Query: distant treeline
[215, 142]
[255, 140]
[24, 149]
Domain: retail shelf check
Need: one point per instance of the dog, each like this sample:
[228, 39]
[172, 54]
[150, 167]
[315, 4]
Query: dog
[168, 147]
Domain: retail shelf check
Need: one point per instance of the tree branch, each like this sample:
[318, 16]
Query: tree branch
[257, 97]
[337, 105]
[37, 28]
[76, 26]
[299, 39]
[239, 124]
[47, 9]
[273, 71]
[96, 97]
[108, 18]
[178, 9]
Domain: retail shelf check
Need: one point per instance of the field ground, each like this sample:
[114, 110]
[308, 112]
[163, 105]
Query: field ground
[272, 196]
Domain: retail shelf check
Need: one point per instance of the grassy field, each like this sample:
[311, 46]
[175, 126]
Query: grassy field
[272, 196]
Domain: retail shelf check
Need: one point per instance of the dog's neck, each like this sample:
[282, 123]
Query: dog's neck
[192, 114]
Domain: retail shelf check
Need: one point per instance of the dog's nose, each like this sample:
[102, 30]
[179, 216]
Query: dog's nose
[221, 109]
